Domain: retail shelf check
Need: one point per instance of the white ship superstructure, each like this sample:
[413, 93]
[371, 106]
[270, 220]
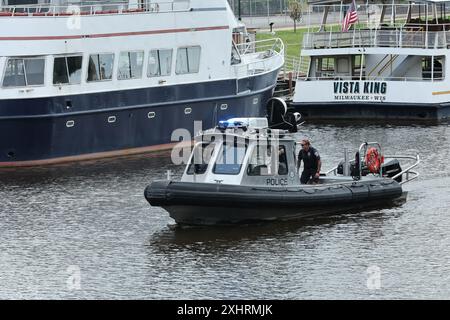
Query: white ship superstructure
[392, 63]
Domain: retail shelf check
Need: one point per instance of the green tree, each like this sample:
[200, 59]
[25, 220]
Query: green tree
[295, 12]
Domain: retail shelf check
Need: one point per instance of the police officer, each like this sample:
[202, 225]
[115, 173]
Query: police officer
[311, 162]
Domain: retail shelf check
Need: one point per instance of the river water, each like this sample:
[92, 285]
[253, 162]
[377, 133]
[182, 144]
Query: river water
[85, 231]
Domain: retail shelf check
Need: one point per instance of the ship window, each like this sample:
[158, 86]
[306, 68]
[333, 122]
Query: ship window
[188, 60]
[160, 63]
[433, 68]
[100, 67]
[230, 159]
[438, 72]
[67, 70]
[266, 161]
[130, 65]
[24, 72]
[201, 157]
[325, 67]
[426, 67]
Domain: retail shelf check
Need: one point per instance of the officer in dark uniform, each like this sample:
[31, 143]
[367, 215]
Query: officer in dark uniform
[311, 163]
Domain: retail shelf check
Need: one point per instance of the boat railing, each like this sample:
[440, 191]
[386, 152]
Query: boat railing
[291, 63]
[334, 77]
[303, 66]
[408, 173]
[273, 44]
[408, 36]
[92, 8]
[259, 57]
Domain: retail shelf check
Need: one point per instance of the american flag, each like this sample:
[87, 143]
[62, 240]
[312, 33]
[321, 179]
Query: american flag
[350, 18]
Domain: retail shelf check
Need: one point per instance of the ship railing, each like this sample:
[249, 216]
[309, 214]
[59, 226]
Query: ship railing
[274, 44]
[259, 57]
[332, 77]
[293, 64]
[93, 8]
[406, 37]
[409, 174]
[303, 66]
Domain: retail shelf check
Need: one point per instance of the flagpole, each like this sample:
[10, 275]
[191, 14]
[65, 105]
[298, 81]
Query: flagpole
[362, 62]
[368, 14]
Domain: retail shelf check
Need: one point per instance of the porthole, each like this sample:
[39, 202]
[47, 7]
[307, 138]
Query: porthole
[255, 100]
[70, 123]
[151, 115]
[112, 119]
[187, 111]
[224, 106]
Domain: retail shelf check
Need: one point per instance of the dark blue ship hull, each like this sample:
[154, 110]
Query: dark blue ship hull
[58, 129]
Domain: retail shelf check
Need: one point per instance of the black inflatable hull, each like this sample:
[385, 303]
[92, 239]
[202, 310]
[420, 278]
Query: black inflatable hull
[209, 204]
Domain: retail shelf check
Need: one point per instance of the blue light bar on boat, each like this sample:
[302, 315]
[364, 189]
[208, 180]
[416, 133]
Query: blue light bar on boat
[243, 123]
[232, 123]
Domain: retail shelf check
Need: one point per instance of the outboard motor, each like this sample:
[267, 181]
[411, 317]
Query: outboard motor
[276, 110]
[279, 117]
[391, 168]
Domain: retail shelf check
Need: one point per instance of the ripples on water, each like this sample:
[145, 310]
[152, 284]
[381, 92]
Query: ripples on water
[92, 217]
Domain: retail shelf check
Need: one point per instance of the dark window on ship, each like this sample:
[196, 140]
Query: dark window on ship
[159, 63]
[426, 67]
[67, 70]
[325, 67]
[268, 161]
[201, 157]
[188, 60]
[433, 70]
[230, 159]
[24, 72]
[130, 65]
[100, 67]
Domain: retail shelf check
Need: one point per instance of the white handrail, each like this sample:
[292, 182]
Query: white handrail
[408, 170]
[403, 37]
[95, 8]
[260, 45]
[259, 61]
[366, 78]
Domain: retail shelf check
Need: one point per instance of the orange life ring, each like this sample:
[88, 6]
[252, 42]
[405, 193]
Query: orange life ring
[374, 160]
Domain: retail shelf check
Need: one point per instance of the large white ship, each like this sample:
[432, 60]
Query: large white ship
[85, 80]
[392, 63]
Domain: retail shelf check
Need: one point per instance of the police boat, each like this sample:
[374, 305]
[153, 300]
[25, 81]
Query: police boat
[244, 170]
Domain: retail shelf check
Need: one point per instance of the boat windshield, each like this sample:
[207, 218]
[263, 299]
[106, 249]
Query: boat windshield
[230, 158]
[201, 157]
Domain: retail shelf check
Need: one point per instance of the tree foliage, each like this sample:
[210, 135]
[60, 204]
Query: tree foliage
[295, 12]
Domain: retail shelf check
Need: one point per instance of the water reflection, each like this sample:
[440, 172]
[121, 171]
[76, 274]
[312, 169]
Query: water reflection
[220, 237]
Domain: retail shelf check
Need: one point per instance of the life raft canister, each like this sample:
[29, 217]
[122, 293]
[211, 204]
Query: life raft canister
[374, 160]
